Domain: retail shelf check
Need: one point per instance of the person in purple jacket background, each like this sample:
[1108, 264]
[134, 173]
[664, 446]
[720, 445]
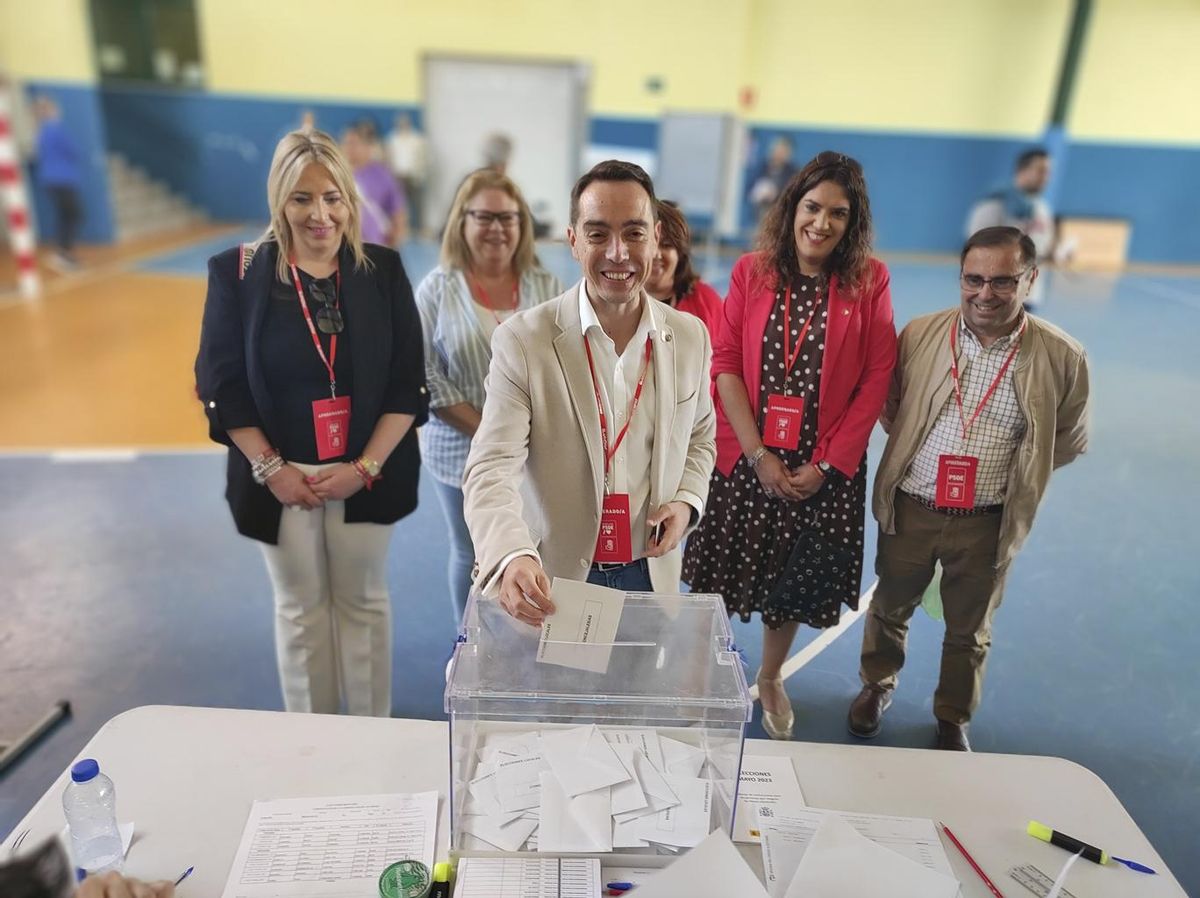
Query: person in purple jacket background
[384, 206]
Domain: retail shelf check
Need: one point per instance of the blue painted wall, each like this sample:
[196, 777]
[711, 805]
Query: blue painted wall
[1155, 187]
[84, 119]
[215, 150]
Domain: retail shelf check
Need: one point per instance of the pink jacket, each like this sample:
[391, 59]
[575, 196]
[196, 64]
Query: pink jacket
[860, 352]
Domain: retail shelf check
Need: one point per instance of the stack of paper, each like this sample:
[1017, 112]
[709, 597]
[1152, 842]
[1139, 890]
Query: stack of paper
[502, 877]
[588, 790]
[837, 853]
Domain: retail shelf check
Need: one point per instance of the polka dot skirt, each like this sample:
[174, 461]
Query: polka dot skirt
[742, 545]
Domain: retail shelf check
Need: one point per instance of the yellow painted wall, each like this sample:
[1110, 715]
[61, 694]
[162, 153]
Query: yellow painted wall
[1140, 79]
[974, 66]
[371, 49]
[47, 40]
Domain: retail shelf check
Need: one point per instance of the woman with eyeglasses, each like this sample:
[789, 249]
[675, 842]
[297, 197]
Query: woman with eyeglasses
[488, 273]
[672, 278]
[311, 370]
[802, 367]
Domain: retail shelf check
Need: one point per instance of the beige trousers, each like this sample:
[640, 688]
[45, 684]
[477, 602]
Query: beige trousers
[333, 621]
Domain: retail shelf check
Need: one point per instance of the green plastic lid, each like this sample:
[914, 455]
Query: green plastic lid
[404, 879]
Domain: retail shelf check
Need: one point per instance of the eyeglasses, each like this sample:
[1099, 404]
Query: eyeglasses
[487, 219]
[1002, 285]
[329, 316]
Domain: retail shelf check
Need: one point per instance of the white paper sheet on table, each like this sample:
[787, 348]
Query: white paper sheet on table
[714, 867]
[582, 760]
[499, 877]
[582, 823]
[583, 627]
[842, 863]
[768, 781]
[324, 847]
[786, 838]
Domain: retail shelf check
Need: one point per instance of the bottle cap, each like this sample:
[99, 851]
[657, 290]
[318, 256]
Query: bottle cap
[404, 879]
[441, 872]
[85, 770]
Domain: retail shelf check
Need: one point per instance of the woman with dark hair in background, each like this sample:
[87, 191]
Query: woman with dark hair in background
[672, 278]
[802, 368]
[311, 370]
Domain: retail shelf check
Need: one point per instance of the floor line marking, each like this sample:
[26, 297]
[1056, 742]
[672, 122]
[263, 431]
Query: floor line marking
[822, 642]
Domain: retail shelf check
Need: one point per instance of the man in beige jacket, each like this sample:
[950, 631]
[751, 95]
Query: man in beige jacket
[986, 401]
[597, 438]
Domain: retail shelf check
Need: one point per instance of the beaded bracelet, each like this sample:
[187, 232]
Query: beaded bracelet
[264, 466]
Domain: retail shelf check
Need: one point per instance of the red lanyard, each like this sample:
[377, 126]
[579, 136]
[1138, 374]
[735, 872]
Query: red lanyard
[791, 355]
[967, 425]
[487, 303]
[637, 396]
[312, 328]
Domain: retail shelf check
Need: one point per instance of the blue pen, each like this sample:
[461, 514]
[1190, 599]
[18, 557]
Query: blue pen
[186, 873]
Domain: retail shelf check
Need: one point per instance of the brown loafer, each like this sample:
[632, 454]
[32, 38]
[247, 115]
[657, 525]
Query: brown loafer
[952, 736]
[866, 711]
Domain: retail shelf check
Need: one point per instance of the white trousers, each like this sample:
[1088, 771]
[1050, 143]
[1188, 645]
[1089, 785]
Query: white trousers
[333, 618]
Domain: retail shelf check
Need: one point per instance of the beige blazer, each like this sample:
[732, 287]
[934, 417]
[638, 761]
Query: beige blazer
[1050, 378]
[535, 473]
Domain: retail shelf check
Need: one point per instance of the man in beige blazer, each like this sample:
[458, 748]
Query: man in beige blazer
[548, 492]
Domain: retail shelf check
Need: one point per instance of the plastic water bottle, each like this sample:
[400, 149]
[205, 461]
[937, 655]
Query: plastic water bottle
[90, 803]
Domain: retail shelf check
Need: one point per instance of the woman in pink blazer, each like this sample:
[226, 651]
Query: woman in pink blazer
[802, 368]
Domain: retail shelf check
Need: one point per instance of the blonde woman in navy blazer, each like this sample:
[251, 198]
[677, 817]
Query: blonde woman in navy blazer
[320, 498]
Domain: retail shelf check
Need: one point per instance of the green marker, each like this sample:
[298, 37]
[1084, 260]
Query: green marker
[404, 879]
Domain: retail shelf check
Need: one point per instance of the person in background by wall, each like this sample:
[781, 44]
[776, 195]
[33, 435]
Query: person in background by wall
[772, 175]
[985, 403]
[672, 278]
[407, 153]
[1021, 205]
[802, 368]
[311, 370]
[497, 152]
[59, 170]
[488, 273]
[384, 208]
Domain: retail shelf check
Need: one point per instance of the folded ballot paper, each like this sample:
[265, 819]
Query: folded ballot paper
[586, 789]
[581, 631]
[838, 863]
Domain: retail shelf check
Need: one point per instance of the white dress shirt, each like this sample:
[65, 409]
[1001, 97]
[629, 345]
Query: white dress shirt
[617, 377]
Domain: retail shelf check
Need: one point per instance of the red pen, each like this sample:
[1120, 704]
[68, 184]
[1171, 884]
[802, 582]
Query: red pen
[970, 860]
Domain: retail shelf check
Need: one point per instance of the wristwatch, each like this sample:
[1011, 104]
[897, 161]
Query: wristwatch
[825, 468]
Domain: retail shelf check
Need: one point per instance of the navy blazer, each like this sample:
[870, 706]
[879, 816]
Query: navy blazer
[387, 357]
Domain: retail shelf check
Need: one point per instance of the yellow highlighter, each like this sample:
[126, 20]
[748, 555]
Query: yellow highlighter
[1073, 845]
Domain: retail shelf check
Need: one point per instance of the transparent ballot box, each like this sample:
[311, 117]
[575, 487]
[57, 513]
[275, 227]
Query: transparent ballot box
[638, 755]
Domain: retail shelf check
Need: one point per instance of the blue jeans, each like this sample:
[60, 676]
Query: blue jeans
[462, 550]
[633, 577]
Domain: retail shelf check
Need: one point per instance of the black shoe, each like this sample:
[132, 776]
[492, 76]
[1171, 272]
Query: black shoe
[866, 711]
[952, 736]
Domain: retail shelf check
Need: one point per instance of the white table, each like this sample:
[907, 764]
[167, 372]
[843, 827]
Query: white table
[187, 777]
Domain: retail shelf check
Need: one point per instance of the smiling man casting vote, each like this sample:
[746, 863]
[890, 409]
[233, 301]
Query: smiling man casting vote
[594, 452]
